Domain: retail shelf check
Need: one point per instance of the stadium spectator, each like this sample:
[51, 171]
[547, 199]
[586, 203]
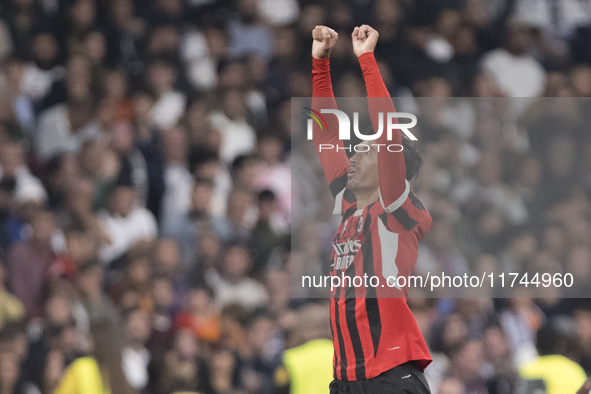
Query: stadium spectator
[558, 372]
[233, 285]
[101, 370]
[29, 261]
[176, 200]
[516, 72]
[202, 316]
[305, 367]
[125, 223]
[13, 309]
[135, 356]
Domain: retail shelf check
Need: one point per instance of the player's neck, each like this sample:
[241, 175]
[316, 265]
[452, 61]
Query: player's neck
[365, 198]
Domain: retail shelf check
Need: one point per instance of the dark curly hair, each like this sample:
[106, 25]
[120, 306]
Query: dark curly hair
[412, 158]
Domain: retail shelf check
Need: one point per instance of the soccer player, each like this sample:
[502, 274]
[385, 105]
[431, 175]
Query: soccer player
[378, 345]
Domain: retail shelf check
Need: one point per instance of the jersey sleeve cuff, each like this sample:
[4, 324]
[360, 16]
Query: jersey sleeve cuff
[398, 203]
[367, 61]
[321, 65]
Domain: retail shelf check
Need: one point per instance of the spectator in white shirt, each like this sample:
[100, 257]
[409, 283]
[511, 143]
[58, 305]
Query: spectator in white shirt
[237, 136]
[13, 97]
[274, 174]
[516, 72]
[66, 126]
[487, 187]
[12, 164]
[135, 355]
[178, 181]
[43, 70]
[234, 286]
[170, 105]
[126, 223]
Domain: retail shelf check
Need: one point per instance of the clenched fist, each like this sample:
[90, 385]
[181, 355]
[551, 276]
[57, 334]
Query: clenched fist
[365, 39]
[325, 39]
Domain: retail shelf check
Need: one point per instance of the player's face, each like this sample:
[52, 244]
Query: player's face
[363, 170]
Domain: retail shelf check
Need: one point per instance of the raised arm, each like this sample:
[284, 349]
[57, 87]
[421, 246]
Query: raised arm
[391, 166]
[334, 163]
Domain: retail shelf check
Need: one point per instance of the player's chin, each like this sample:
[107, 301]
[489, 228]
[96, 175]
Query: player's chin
[351, 182]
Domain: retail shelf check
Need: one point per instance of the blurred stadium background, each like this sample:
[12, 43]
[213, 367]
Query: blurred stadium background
[145, 191]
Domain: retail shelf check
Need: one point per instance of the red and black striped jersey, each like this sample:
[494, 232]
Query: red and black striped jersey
[373, 327]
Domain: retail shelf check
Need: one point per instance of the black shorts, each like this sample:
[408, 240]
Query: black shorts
[406, 378]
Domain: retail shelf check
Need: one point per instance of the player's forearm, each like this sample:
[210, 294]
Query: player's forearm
[323, 98]
[379, 100]
[334, 163]
[391, 165]
[373, 79]
[321, 82]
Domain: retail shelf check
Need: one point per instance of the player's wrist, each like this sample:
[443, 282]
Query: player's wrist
[320, 65]
[367, 61]
[365, 54]
[321, 55]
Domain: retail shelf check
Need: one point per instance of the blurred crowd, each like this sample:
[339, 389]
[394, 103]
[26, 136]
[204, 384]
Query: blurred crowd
[145, 189]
